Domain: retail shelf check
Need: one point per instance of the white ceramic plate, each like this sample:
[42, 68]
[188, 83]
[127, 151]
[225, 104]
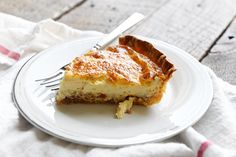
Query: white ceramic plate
[188, 96]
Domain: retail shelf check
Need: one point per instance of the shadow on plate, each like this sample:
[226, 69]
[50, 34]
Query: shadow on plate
[98, 110]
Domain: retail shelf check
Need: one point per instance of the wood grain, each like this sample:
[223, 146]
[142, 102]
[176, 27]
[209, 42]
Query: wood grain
[190, 25]
[105, 15]
[36, 10]
[222, 56]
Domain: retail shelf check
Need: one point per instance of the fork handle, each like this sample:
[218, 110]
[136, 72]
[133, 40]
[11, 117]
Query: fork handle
[128, 23]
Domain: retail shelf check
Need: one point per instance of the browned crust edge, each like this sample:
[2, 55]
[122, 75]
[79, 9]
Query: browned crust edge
[137, 101]
[147, 49]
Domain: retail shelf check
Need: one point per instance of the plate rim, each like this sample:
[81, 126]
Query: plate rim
[109, 142]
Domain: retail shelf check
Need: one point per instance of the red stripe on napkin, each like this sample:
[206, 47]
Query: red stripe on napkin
[203, 148]
[10, 54]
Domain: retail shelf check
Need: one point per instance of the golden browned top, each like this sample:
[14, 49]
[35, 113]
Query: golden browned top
[118, 64]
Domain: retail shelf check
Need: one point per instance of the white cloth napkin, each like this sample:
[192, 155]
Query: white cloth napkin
[20, 38]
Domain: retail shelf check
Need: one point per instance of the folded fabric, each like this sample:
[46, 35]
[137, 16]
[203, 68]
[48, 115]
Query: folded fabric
[20, 39]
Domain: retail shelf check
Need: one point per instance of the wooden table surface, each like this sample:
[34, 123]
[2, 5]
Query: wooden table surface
[204, 28]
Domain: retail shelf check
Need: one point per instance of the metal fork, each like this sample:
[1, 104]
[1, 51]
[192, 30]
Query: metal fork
[54, 80]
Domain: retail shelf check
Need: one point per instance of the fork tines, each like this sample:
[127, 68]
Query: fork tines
[51, 82]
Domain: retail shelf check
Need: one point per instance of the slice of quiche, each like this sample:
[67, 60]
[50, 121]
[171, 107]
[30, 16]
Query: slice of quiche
[133, 72]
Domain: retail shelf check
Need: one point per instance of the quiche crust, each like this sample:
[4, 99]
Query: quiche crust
[134, 68]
